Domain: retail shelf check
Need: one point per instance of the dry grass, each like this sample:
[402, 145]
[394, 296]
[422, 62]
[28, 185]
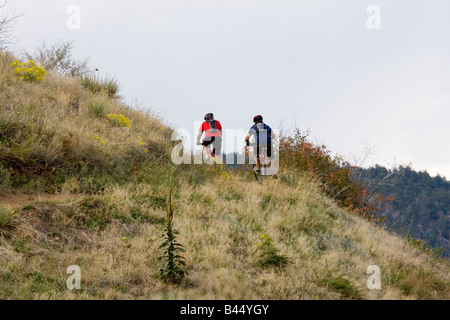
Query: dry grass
[118, 261]
[113, 235]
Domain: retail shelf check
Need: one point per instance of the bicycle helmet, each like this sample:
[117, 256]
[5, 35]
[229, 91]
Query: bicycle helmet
[258, 119]
[209, 116]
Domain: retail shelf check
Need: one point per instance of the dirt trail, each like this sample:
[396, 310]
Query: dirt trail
[20, 199]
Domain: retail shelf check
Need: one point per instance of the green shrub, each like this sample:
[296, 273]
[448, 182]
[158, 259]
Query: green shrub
[58, 57]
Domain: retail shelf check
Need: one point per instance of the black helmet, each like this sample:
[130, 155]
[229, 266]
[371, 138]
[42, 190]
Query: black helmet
[209, 116]
[258, 119]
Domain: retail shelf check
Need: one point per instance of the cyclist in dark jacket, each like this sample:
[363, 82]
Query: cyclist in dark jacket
[263, 136]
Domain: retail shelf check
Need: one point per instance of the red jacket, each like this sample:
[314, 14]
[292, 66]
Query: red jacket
[211, 132]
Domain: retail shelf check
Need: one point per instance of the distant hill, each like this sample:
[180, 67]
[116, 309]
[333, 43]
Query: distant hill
[421, 208]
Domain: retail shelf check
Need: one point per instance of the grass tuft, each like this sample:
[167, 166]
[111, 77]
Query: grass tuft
[7, 222]
[108, 86]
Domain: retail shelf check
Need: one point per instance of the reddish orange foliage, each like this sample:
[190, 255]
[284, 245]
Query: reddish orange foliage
[297, 153]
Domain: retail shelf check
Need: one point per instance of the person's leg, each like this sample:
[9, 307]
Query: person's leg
[217, 146]
[269, 151]
[205, 151]
[258, 162]
[269, 155]
[213, 147]
[206, 143]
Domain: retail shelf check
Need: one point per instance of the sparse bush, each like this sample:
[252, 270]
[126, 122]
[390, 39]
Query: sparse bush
[7, 23]
[58, 57]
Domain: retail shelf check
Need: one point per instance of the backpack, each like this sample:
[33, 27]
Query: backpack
[212, 126]
[263, 139]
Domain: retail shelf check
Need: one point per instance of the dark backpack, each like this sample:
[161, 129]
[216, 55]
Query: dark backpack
[264, 139]
[212, 126]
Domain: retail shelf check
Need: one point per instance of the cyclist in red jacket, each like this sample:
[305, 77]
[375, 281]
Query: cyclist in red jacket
[213, 134]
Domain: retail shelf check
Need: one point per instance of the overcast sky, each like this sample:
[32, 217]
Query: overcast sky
[313, 63]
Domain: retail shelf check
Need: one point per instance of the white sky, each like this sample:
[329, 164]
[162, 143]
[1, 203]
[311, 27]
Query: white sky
[313, 63]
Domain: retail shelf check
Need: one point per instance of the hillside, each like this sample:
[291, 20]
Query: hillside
[84, 181]
[421, 207]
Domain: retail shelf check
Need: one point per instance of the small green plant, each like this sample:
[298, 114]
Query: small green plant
[268, 254]
[6, 221]
[173, 265]
[98, 108]
[28, 71]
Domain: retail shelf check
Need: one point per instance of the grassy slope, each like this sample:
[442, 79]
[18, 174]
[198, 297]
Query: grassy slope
[109, 210]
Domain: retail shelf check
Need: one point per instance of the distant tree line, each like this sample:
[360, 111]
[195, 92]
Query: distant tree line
[421, 208]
